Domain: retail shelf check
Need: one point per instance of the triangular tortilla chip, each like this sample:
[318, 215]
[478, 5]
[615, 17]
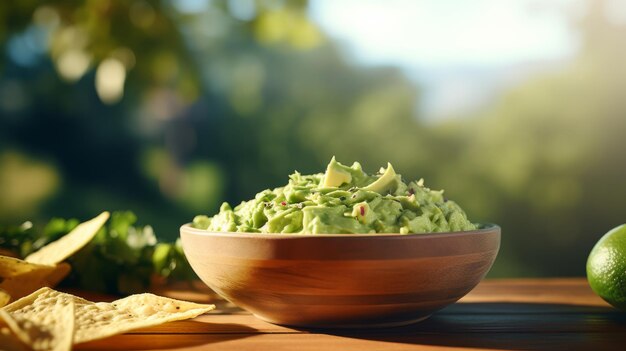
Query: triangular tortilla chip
[19, 278]
[58, 274]
[69, 244]
[11, 267]
[50, 331]
[99, 320]
[133, 312]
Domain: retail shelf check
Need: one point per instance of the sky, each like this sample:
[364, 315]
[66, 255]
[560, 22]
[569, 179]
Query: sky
[461, 53]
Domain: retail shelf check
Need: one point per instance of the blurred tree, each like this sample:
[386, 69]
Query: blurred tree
[547, 161]
[169, 107]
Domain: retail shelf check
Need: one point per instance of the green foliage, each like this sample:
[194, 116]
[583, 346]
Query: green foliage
[122, 258]
[17, 239]
[23, 239]
[169, 261]
[216, 108]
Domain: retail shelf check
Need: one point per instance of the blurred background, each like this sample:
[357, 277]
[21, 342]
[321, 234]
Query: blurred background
[167, 108]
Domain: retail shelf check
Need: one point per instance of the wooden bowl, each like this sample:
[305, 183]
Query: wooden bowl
[341, 280]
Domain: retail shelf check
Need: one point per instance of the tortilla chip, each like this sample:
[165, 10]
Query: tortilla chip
[53, 330]
[133, 312]
[45, 267]
[69, 244]
[11, 267]
[99, 320]
[19, 278]
[4, 298]
[58, 274]
[23, 285]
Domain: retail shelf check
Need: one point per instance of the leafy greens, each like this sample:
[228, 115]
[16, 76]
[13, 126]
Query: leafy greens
[123, 258]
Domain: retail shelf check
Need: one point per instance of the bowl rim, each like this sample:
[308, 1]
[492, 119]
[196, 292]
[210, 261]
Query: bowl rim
[484, 228]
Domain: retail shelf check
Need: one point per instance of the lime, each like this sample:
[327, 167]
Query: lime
[606, 267]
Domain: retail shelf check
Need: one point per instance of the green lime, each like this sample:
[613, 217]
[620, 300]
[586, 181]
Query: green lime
[606, 267]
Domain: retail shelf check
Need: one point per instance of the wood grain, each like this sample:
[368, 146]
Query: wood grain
[513, 314]
[290, 342]
[341, 280]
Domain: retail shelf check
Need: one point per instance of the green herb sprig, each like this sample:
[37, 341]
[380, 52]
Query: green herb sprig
[123, 258]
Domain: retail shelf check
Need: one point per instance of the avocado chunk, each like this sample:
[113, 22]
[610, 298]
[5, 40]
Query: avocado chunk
[335, 175]
[385, 181]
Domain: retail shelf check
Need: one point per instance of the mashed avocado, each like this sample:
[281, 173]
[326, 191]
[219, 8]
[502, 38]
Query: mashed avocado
[342, 200]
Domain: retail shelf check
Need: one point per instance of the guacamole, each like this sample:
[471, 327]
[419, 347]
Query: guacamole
[346, 200]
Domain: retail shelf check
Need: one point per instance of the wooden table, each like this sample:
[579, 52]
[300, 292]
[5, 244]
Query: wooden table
[515, 314]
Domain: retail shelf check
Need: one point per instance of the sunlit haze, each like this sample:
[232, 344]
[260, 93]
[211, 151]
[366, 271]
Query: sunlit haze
[453, 48]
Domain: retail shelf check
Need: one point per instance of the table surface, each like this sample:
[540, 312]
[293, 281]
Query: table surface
[511, 314]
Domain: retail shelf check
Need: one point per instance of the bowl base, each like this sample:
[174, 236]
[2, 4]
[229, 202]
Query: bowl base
[367, 325]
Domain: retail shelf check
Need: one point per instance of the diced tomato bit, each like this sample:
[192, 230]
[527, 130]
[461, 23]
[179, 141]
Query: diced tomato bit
[283, 203]
[362, 210]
